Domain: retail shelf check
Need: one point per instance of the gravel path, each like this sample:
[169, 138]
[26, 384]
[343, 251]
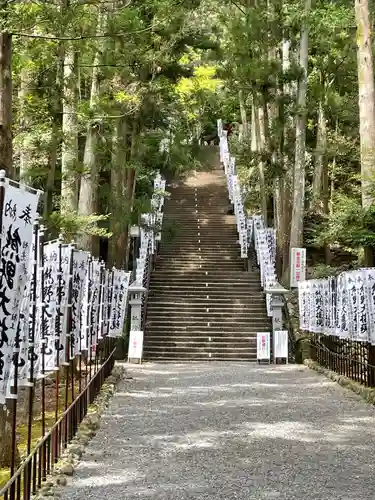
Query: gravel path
[230, 431]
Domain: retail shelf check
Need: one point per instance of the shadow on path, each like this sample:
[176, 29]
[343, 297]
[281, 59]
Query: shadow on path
[230, 431]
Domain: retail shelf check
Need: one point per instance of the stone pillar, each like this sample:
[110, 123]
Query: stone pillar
[136, 293]
[277, 300]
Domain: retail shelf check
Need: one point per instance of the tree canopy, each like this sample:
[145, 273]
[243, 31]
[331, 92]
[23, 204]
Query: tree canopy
[91, 89]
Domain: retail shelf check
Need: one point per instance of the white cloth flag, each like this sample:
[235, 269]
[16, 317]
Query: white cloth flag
[55, 313]
[25, 329]
[103, 312]
[19, 214]
[94, 304]
[80, 270]
[119, 302]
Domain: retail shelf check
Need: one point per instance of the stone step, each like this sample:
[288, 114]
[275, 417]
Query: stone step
[194, 248]
[213, 349]
[212, 218]
[226, 295]
[165, 336]
[195, 302]
[197, 255]
[256, 324]
[182, 253]
[206, 237]
[190, 269]
[200, 248]
[193, 356]
[228, 228]
[202, 343]
[195, 262]
[209, 233]
[197, 274]
[202, 260]
[194, 208]
[223, 289]
[196, 242]
[188, 287]
[186, 278]
[227, 337]
[201, 283]
[154, 310]
[201, 266]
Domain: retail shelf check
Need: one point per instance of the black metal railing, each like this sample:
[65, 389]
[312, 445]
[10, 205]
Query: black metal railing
[39, 463]
[149, 267]
[355, 360]
[290, 329]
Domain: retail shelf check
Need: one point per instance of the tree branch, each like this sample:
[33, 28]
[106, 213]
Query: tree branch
[82, 37]
[238, 7]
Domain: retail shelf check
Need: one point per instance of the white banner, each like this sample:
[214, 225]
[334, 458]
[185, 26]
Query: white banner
[19, 214]
[263, 346]
[119, 300]
[55, 310]
[297, 266]
[94, 305]
[135, 345]
[280, 344]
[103, 314]
[80, 270]
[25, 330]
[85, 311]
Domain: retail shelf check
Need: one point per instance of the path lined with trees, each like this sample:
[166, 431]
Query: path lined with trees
[96, 95]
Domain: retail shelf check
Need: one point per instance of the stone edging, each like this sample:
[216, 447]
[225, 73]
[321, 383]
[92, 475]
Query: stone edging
[366, 393]
[86, 431]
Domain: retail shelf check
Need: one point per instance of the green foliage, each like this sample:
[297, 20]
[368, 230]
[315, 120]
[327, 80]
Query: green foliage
[350, 225]
[71, 225]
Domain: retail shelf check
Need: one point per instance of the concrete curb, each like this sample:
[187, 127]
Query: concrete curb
[366, 393]
[86, 431]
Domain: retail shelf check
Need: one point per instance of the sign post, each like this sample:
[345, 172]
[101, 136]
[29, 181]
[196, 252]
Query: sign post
[280, 345]
[135, 345]
[297, 266]
[263, 347]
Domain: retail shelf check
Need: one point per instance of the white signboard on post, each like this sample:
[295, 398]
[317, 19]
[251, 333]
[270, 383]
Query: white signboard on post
[135, 345]
[280, 344]
[297, 266]
[263, 346]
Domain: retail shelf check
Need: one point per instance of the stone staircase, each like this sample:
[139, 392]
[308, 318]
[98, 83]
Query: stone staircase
[202, 303]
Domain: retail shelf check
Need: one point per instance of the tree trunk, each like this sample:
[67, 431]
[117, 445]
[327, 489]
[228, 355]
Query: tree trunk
[69, 154]
[286, 184]
[130, 183]
[6, 140]
[320, 159]
[55, 141]
[119, 205]
[296, 232]
[258, 143]
[87, 204]
[245, 125]
[366, 91]
[325, 206]
[26, 79]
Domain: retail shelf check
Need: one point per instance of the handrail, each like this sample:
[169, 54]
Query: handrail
[255, 238]
[149, 234]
